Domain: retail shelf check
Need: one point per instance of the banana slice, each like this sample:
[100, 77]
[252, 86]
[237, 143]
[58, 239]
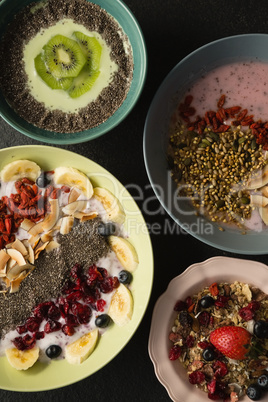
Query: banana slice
[22, 359]
[111, 204]
[78, 351]
[121, 307]
[21, 168]
[125, 252]
[74, 178]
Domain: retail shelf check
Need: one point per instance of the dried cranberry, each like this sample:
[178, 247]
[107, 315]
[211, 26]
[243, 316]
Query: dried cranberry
[21, 329]
[204, 318]
[71, 320]
[188, 301]
[41, 310]
[76, 271]
[204, 344]
[103, 271]
[68, 287]
[77, 295]
[68, 330]
[54, 313]
[185, 319]
[33, 323]
[100, 304]
[222, 301]
[39, 335]
[106, 286]
[116, 282]
[180, 306]
[76, 308]
[219, 368]
[174, 352]
[254, 305]
[29, 341]
[246, 314]
[52, 326]
[18, 343]
[89, 299]
[196, 377]
[85, 315]
[189, 341]
[212, 386]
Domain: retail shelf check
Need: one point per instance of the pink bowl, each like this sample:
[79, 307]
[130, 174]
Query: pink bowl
[172, 375]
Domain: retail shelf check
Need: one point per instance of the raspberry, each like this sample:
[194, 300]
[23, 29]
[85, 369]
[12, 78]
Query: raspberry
[174, 352]
[204, 318]
[180, 305]
[196, 377]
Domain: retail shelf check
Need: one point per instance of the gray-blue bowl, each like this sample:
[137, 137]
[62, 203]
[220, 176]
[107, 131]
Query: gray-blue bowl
[222, 51]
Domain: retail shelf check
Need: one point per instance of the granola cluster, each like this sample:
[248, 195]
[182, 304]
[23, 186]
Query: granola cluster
[220, 305]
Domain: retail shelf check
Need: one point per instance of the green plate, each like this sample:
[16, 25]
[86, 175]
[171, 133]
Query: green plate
[57, 374]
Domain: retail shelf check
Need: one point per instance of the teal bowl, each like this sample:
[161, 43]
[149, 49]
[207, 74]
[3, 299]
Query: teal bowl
[116, 8]
[235, 48]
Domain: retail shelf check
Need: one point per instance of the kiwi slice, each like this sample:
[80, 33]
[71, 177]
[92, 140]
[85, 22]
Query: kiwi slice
[48, 78]
[63, 57]
[83, 83]
[91, 49]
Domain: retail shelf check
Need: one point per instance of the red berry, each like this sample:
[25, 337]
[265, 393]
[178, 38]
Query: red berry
[189, 341]
[33, 323]
[76, 271]
[68, 330]
[52, 326]
[204, 344]
[107, 285]
[221, 301]
[29, 341]
[18, 343]
[175, 352]
[21, 329]
[246, 313]
[100, 304]
[180, 305]
[196, 377]
[233, 342]
[204, 318]
[71, 320]
[54, 312]
[220, 368]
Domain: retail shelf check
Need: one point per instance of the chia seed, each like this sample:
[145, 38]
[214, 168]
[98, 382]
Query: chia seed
[83, 245]
[13, 79]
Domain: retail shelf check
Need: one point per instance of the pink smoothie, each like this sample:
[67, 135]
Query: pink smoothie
[245, 84]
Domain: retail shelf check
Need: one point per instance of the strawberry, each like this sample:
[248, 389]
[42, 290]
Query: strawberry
[233, 342]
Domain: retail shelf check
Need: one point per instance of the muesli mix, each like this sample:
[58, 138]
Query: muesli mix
[65, 264]
[220, 336]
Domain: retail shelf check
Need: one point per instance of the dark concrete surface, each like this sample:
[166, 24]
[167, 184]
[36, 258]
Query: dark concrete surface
[172, 29]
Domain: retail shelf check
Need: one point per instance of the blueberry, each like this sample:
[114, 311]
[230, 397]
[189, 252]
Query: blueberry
[125, 277]
[42, 181]
[209, 354]
[106, 229]
[254, 392]
[102, 321]
[206, 301]
[53, 351]
[261, 329]
[263, 381]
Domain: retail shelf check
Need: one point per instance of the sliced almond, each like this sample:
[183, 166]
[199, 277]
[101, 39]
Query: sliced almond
[85, 216]
[258, 200]
[52, 245]
[258, 179]
[19, 246]
[36, 229]
[75, 206]
[26, 224]
[4, 257]
[15, 271]
[17, 256]
[66, 224]
[74, 194]
[39, 249]
[52, 218]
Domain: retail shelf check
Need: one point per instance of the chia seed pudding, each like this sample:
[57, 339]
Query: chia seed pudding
[16, 85]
